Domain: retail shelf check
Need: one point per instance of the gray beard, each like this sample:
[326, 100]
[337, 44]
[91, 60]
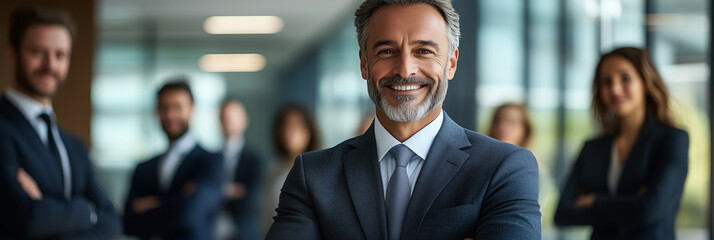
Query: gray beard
[404, 112]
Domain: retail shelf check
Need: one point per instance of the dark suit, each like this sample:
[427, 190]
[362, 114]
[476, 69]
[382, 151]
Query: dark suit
[177, 216]
[53, 217]
[246, 211]
[470, 186]
[656, 163]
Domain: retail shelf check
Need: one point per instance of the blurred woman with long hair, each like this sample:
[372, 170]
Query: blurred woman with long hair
[294, 132]
[628, 182]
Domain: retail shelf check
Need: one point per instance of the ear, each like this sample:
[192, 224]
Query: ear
[363, 65]
[452, 63]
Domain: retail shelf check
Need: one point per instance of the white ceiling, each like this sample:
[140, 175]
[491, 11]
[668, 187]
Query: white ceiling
[178, 24]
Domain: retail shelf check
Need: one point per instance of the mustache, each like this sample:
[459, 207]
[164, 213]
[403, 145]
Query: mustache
[41, 72]
[397, 80]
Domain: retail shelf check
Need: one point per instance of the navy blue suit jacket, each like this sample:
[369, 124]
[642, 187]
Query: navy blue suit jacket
[246, 211]
[178, 216]
[656, 163]
[53, 217]
[470, 186]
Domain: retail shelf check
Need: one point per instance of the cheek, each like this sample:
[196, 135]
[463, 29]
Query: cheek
[637, 90]
[379, 68]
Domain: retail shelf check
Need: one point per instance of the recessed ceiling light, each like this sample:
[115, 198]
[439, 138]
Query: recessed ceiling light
[251, 62]
[243, 25]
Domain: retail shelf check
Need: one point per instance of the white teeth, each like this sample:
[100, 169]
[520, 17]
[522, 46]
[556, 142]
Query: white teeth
[405, 87]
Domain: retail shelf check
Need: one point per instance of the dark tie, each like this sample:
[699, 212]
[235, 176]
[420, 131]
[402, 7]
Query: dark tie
[52, 145]
[398, 190]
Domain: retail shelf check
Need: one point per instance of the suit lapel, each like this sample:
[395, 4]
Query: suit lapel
[43, 156]
[441, 165]
[365, 185]
[185, 167]
[634, 159]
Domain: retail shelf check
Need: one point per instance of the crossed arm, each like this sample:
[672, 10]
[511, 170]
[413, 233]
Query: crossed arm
[662, 191]
[153, 214]
[28, 213]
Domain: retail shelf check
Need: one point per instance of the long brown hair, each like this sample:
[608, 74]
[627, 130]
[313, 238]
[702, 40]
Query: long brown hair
[656, 94]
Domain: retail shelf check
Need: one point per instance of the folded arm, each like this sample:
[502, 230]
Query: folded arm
[510, 209]
[25, 217]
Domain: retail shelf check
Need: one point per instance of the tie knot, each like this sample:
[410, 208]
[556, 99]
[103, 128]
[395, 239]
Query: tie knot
[402, 154]
[46, 118]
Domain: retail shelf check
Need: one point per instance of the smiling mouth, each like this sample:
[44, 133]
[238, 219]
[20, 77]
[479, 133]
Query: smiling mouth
[405, 87]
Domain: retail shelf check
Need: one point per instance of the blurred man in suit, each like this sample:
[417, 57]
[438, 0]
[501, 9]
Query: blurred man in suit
[175, 195]
[415, 173]
[243, 174]
[49, 190]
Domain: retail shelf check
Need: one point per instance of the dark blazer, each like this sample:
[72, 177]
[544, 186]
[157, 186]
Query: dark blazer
[246, 211]
[53, 217]
[470, 186]
[657, 163]
[178, 216]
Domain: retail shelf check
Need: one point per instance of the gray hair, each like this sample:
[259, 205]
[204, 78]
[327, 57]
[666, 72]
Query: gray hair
[364, 12]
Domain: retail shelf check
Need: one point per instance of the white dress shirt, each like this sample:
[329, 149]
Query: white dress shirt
[231, 153]
[31, 109]
[613, 176]
[419, 143]
[173, 158]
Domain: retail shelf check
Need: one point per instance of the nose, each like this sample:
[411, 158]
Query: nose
[48, 62]
[405, 66]
[616, 87]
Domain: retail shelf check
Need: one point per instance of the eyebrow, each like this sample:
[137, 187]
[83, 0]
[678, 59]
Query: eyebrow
[426, 42]
[417, 42]
[382, 43]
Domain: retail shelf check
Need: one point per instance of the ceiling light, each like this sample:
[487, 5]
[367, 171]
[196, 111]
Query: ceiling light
[243, 25]
[252, 62]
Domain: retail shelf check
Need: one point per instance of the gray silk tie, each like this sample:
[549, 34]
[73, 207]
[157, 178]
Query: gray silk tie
[398, 190]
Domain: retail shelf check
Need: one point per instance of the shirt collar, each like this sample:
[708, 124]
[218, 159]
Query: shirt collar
[419, 143]
[29, 107]
[183, 144]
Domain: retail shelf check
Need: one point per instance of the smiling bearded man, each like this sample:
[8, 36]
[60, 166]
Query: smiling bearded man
[415, 173]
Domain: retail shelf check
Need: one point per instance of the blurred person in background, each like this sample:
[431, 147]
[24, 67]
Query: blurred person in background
[512, 124]
[175, 195]
[47, 185]
[243, 177]
[627, 183]
[294, 132]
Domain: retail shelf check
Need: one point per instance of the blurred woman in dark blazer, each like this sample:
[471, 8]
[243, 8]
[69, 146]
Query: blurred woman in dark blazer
[627, 183]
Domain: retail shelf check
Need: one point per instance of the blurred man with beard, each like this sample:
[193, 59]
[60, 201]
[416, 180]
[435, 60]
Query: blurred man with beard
[49, 190]
[175, 195]
[415, 173]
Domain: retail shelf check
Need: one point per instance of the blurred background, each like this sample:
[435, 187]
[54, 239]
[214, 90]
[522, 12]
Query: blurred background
[540, 53]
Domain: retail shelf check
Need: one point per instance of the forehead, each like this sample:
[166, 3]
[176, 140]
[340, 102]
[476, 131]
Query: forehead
[174, 95]
[414, 21]
[617, 63]
[48, 36]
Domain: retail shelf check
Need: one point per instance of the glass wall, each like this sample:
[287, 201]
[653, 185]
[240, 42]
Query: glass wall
[678, 35]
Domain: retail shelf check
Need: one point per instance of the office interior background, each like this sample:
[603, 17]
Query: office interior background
[540, 53]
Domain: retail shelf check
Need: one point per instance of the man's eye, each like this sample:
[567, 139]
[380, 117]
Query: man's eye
[385, 51]
[425, 51]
